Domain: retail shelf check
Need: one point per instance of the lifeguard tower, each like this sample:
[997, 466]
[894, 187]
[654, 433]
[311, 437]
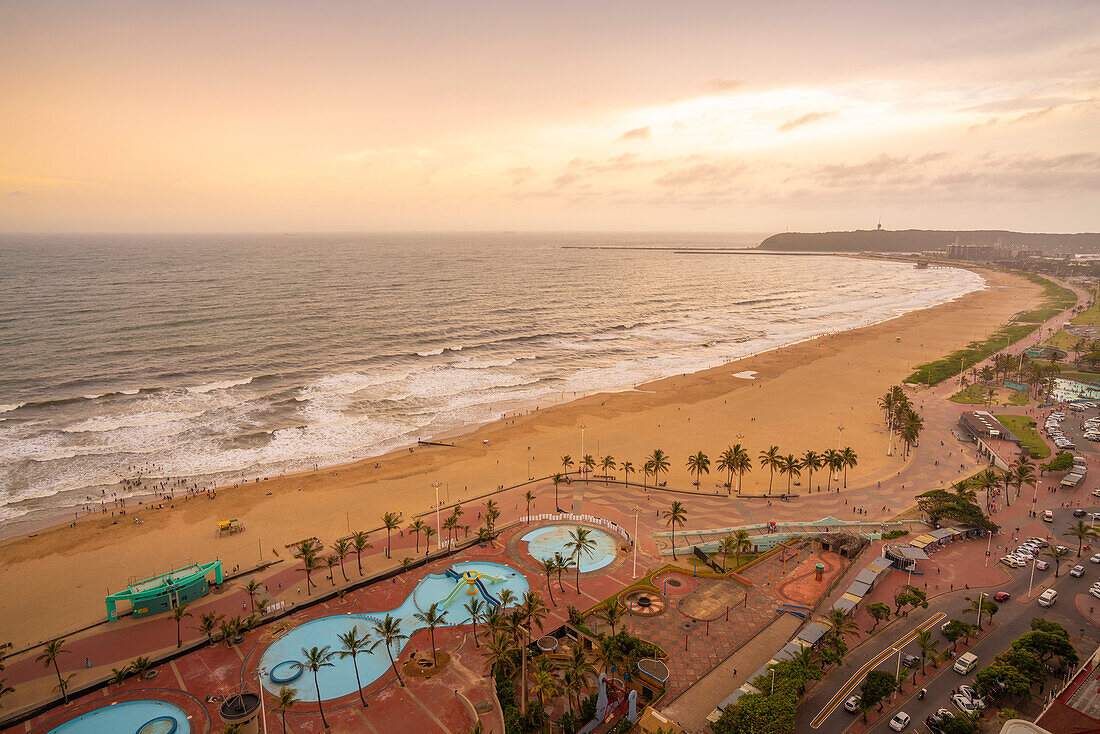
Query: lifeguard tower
[164, 592]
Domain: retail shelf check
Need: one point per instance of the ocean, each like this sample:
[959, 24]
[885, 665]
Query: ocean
[224, 357]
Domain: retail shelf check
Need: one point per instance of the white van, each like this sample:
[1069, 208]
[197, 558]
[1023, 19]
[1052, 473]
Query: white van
[1048, 597]
[965, 663]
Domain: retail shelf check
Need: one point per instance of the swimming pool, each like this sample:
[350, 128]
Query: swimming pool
[131, 717]
[544, 543]
[339, 680]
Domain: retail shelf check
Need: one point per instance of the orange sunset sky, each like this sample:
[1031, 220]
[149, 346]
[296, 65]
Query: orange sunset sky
[270, 116]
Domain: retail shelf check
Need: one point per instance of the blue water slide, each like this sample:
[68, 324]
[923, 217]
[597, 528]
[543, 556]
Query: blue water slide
[485, 593]
[453, 574]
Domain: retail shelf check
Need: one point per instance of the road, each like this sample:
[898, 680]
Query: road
[1014, 619]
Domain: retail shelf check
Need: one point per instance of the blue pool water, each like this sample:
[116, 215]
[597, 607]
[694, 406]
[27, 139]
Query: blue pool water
[339, 680]
[545, 543]
[129, 718]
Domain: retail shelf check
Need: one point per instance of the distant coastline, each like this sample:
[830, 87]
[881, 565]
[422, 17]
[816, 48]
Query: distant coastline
[915, 240]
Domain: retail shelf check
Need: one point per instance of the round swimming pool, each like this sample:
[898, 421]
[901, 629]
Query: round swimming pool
[546, 542]
[131, 717]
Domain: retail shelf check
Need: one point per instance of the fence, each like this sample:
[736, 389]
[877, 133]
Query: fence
[589, 519]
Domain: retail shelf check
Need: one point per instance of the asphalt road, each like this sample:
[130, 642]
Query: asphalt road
[1014, 619]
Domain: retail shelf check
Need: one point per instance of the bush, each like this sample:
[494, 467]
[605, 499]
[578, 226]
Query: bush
[891, 535]
[588, 708]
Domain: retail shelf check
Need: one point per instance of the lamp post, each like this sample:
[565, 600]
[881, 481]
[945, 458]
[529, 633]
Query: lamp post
[980, 595]
[1032, 578]
[839, 435]
[634, 573]
[580, 459]
[438, 527]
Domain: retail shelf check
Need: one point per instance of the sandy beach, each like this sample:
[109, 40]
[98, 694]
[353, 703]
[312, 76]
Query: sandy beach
[796, 399]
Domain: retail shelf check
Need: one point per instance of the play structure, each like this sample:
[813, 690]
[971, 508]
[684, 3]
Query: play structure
[614, 701]
[471, 581]
[166, 591]
[230, 527]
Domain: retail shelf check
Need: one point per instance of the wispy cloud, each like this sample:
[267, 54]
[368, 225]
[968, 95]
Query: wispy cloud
[804, 120]
[638, 133]
[520, 175]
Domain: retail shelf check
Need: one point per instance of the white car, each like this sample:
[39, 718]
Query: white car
[900, 721]
[975, 698]
[1048, 516]
[852, 704]
[964, 704]
[1095, 592]
[1041, 542]
[1012, 562]
[1042, 565]
[1095, 558]
[1077, 571]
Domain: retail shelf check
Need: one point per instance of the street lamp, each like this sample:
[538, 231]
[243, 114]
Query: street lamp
[634, 573]
[580, 462]
[980, 595]
[438, 527]
[1032, 578]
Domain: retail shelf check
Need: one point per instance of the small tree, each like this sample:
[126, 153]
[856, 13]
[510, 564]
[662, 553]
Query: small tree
[878, 612]
[876, 687]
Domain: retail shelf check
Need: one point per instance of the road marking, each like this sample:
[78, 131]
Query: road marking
[858, 676]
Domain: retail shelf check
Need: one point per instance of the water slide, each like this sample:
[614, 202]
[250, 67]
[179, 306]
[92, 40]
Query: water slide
[489, 598]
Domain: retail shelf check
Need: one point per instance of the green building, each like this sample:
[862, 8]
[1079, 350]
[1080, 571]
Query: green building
[161, 593]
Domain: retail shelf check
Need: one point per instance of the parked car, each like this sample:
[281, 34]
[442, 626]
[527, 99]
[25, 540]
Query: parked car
[1078, 513]
[900, 721]
[1095, 592]
[1095, 558]
[1077, 571]
[1042, 565]
[974, 696]
[1001, 596]
[852, 704]
[937, 721]
[964, 704]
[910, 661]
[1048, 516]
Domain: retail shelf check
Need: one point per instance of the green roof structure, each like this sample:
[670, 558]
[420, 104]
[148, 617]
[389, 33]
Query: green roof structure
[165, 591]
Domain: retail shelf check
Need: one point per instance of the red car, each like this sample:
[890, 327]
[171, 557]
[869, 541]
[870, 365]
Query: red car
[1001, 596]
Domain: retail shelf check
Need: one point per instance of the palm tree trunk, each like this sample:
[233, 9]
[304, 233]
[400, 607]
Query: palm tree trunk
[320, 708]
[550, 588]
[359, 560]
[673, 542]
[395, 670]
[358, 684]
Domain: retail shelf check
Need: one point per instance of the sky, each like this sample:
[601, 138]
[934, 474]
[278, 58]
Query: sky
[265, 116]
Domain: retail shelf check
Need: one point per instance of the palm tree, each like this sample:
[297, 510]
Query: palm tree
[842, 624]
[549, 566]
[451, 526]
[118, 675]
[561, 564]
[530, 497]
[727, 546]
[612, 613]
[251, 588]
[545, 685]
[850, 461]
[580, 545]
[50, 653]
[433, 618]
[140, 666]
[1082, 532]
[566, 462]
[474, 608]
[1022, 473]
[354, 645]
[675, 515]
[699, 464]
[608, 466]
[987, 480]
[416, 527]
[315, 659]
[389, 632]
[287, 698]
[727, 463]
[742, 543]
[208, 623]
[342, 548]
[833, 462]
[789, 466]
[811, 462]
[360, 543]
[178, 613]
[428, 531]
[588, 464]
[647, 469]
[659, 464]
[628, 469]
[609, 653]
[742, 464]
[391, 522]
[331, 563]
[1055, 555]
[498, 651]
[557, 479]
[406, 563]
[770, 460]
[307, 551]
[576, 671]
[927, 646]
[531, 611]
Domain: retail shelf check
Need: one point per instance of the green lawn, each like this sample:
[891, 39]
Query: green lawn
[1062, 340]
[1081, 376]
[1090, 316]
[1024, 427]
[974, 394]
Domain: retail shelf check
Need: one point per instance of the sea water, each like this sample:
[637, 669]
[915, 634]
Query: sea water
[221, 357]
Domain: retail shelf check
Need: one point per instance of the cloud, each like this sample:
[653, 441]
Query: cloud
[1019, 104]
[638, 133]
[520, 175]
[723, 86]
[565, 179]
[17, 193]
[804, 120]
[704, 174]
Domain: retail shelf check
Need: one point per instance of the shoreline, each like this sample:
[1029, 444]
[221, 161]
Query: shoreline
[799, 395]
[65, 516]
